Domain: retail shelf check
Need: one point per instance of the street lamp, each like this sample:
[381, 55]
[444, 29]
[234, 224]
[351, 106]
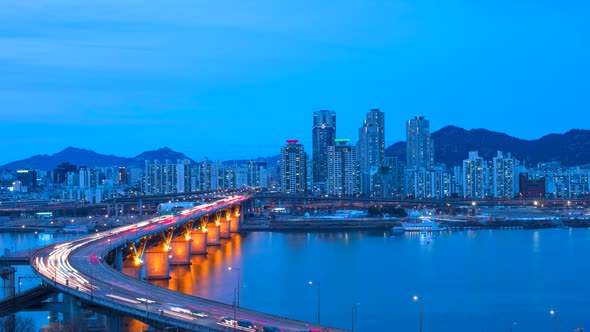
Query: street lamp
[353, 315]
[554, 314]
[419, 299]
[238, 288]
[311, 283]
[512, 325]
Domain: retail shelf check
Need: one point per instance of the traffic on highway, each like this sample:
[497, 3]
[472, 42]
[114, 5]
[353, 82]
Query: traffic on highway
[77, 268]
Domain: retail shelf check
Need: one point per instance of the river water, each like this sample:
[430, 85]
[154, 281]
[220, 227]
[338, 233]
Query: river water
[484, 280]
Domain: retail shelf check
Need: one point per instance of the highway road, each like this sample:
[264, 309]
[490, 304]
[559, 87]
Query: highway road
[77, 268]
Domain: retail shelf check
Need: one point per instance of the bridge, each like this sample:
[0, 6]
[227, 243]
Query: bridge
[81, 269]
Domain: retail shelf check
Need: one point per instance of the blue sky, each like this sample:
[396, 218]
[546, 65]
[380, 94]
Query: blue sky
[235, 79]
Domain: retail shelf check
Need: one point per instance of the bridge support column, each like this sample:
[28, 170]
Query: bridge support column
[199, 245]
[7, 275]
[157, 263]
[224, 229]
[115, 322]
[181, 251]
[119, 259]
[213, 235]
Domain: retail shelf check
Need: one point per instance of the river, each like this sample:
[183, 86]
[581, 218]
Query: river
[484, 280]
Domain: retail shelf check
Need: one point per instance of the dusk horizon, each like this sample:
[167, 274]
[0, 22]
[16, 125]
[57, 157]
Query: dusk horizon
[123, 78]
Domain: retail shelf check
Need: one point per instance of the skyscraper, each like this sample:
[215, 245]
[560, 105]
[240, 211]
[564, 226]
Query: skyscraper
[419, 147]
[343, 169]
[371, 144]
[293, 168]
[323, 135]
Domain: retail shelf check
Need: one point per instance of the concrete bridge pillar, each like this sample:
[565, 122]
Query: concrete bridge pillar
[157, 263]
[119, 259]
[213, 235]
[199, 242]
[224, 229]
[181, 251]
[235, 219]
[115, 322]
[7, 275]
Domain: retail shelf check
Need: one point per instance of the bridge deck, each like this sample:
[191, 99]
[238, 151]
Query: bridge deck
[68, 268]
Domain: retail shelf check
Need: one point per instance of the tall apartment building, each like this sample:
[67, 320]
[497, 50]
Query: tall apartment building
[343, 169]
[160, 178]
[419, 146]
[371, 143]
[503, 177]
[392, 175]
[206, 171]
[323, 136]
[183, 176]
[123, 176]
[257, 175]
[293, 168]
[474, 176]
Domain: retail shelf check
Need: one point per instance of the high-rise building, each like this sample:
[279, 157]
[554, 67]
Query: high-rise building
[474, 170]
[159, 178]
[183, 176]
[343, 169]
[28, 178]
[323, 135]
[123, 176]
[60, 174]
[419, 146]
[371, 144]
[503, 177]
[293, 168]
[206, 173]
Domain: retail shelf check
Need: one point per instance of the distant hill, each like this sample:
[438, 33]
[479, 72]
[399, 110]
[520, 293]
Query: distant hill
[452, 145]
[88, 158]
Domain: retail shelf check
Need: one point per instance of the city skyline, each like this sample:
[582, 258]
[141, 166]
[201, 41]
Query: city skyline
[113, 78]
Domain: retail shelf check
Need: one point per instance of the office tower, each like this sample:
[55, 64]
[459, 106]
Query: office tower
[293, 168]
[371, 144]
[323, 135]
[343, 169]
[60, 174]
[419, 147]
[28, 178]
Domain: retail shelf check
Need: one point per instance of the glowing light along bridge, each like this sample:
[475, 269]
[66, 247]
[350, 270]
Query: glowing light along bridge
[78, 268]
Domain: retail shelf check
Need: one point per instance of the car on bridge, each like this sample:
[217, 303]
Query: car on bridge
[248, 325]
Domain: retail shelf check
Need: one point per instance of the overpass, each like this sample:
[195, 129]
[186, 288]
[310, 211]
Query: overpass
[79, 268]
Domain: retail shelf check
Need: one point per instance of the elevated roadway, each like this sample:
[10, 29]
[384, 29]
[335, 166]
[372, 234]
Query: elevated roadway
[73, 268]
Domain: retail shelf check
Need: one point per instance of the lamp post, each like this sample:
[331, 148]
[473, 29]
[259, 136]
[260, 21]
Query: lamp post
[512, 325]
[554, 314]
[353, 315]
[419, 299]
[238, 288]
[311, 283]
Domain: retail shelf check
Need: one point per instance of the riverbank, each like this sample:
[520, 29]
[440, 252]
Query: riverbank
[465, 223]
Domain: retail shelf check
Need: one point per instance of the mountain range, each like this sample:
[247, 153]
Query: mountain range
[451, 146]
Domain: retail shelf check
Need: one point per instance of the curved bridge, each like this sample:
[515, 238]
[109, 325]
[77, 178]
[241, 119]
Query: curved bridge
[78, 269]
